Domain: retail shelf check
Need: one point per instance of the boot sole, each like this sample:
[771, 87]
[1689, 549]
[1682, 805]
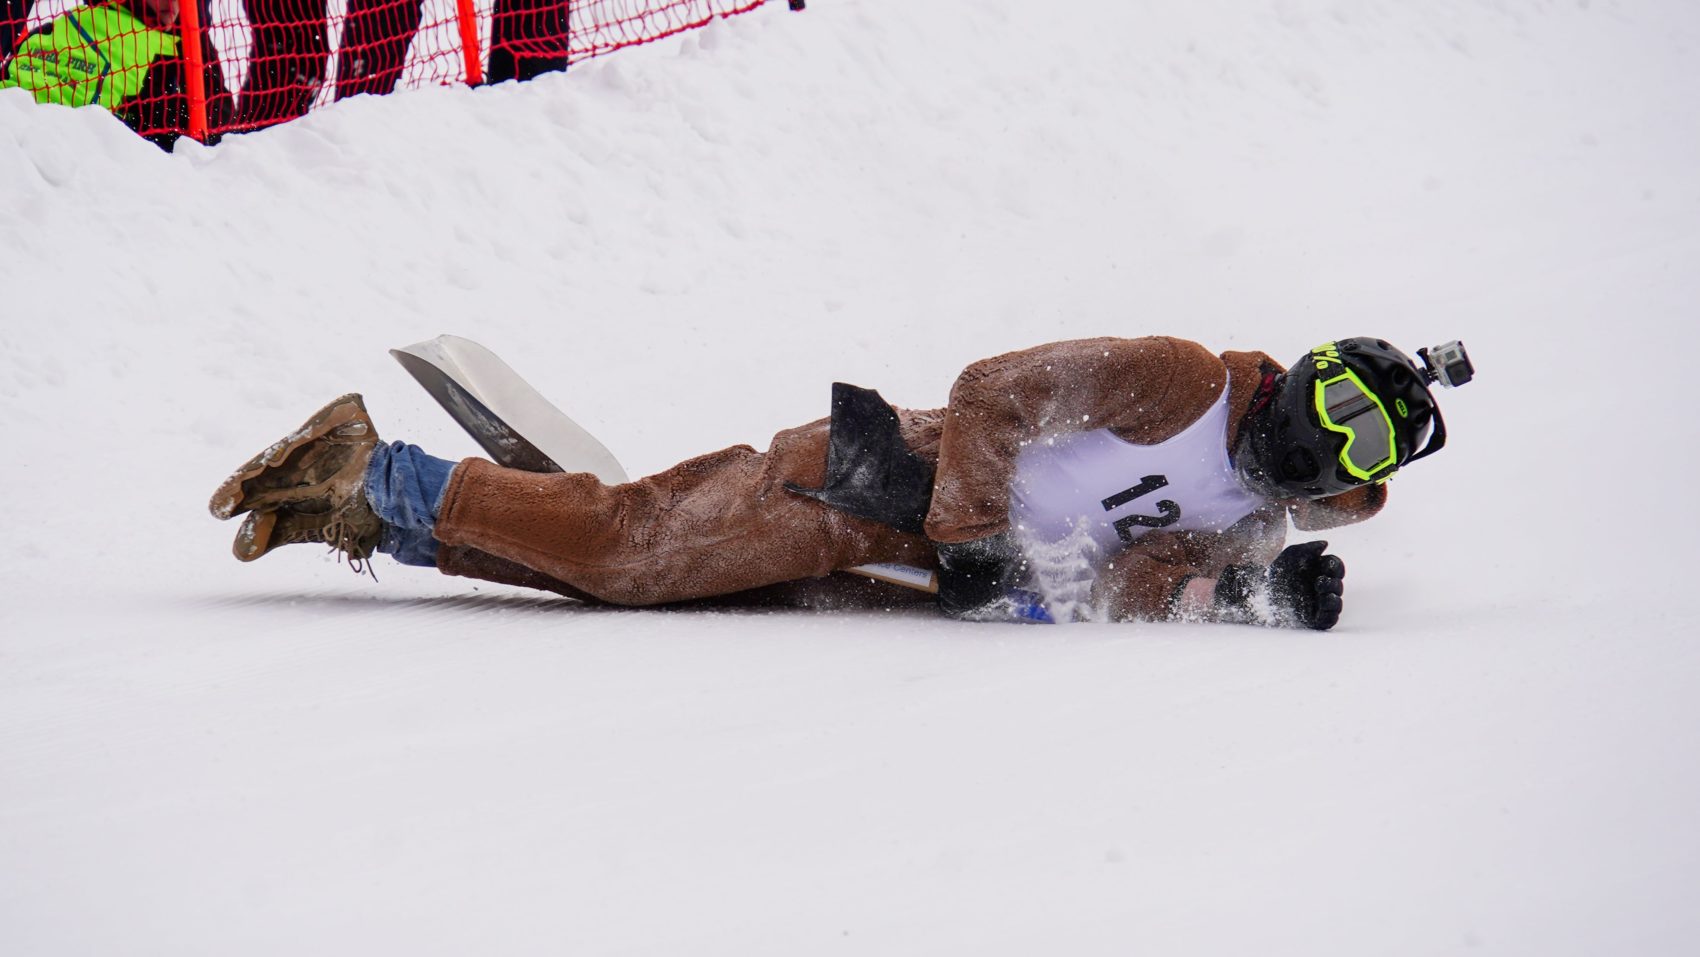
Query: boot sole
[230, 500]
[253, 539]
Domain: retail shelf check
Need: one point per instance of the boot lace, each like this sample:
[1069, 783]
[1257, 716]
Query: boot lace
[344, 539]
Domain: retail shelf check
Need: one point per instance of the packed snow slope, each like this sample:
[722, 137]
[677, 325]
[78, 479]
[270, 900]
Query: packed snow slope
[683, 245]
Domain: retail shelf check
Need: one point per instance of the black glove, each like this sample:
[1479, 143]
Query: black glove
[1304, 586]
[975, 574]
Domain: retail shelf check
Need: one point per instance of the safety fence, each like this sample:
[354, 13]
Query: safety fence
[168, 67]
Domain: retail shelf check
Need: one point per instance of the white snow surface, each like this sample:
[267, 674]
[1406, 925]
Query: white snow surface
[683, 245]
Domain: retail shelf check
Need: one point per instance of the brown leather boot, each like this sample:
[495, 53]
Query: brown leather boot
[354, 532]
[308, 486]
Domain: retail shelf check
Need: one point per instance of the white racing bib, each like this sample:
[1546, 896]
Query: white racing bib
[1114, 491]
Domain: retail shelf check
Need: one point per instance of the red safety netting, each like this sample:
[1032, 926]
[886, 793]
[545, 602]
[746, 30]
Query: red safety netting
[268, 61]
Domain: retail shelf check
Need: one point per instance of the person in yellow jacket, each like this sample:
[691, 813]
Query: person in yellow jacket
[125, 56]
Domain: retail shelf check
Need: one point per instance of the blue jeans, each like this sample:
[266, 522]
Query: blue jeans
[405, 488]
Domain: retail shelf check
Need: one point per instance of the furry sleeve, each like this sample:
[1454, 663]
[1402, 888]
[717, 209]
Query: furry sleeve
[1146, 580]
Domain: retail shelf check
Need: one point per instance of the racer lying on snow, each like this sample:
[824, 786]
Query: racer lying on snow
[1164, 474]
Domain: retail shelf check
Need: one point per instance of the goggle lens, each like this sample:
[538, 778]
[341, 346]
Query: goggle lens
[1345, 405]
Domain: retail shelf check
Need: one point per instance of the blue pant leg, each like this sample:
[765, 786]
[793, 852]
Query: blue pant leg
[405, 488]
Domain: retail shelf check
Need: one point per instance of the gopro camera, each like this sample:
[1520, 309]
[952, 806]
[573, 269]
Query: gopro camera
[1447, 364]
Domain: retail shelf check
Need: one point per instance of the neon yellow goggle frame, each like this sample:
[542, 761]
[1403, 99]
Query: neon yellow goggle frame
[1347, 406]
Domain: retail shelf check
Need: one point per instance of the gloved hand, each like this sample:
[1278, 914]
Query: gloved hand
[1304, 587]
[977, 573]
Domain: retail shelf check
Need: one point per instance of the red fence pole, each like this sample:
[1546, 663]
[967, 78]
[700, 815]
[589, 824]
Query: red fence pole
[196, 68]
[469, 42]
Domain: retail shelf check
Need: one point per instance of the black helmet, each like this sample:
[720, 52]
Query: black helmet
[1348, 413]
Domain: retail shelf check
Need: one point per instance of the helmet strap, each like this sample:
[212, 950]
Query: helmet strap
[1436, 441]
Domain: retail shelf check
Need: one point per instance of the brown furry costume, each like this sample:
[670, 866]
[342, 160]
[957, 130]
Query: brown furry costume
[725, 523]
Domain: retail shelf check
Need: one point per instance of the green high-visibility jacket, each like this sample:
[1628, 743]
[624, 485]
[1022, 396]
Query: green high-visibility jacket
[97, 54]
